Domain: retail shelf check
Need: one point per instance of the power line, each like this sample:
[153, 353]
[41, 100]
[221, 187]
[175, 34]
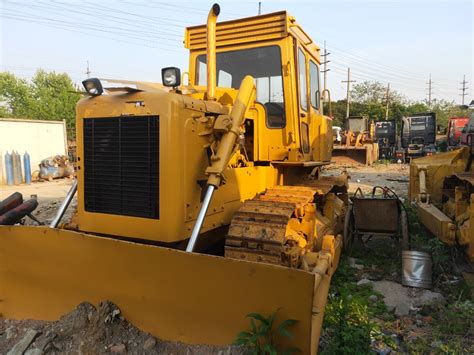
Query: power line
[109, 29]
[59, 26]
[385, 66]
[380, 72]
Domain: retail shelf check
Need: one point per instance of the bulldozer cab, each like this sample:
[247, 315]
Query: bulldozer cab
[286, 122]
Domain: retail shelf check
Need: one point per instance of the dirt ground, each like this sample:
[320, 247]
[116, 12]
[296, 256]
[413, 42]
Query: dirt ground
[394, 176]
[91, 330]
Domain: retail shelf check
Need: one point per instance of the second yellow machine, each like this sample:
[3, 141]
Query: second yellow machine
[200, 202]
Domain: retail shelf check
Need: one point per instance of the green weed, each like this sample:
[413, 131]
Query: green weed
[349, 314]
[262, 338]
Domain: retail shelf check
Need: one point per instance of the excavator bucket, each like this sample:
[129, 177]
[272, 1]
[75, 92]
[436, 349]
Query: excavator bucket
[177, 296]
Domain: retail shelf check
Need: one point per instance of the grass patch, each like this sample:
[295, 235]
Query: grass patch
[349, 320]
[451, 332]
[353, 324]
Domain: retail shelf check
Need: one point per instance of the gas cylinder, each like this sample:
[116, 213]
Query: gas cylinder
[2, 170]
[16, 168]
[9, 168]
[27, 168]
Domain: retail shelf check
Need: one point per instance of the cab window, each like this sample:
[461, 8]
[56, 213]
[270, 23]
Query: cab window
[264, 65]
[314, 84]
[302, 80]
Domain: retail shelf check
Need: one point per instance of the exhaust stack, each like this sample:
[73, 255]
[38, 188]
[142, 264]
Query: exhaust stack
[211, 51]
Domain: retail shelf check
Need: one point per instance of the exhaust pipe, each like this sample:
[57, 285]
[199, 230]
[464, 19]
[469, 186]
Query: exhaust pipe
[211, 51]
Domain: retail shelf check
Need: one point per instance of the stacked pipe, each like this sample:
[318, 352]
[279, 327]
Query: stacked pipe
[13, 209]
[12, 168]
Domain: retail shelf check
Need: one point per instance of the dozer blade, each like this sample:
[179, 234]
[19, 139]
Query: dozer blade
[364, 155]
[176, 296]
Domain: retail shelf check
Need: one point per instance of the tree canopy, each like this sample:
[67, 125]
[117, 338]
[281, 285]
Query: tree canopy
[48, 96]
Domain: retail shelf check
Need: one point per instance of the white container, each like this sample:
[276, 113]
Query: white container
[416, 269]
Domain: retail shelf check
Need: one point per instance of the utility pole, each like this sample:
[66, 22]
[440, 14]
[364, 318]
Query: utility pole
[325, 63]
[259, 7]
[348, 97]
[387, 99]
[88, 71]
[464, 88]
[430, 87]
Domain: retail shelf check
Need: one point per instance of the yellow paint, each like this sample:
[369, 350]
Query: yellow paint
[176, 296]
[453, 221]
[186, 128]
[179, 296]
[437, 167]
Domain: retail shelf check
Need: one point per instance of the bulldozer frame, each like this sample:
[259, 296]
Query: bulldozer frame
[163, 172]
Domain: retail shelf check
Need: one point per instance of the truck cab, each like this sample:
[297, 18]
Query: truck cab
[418, 135]
[467, 133]
[385, 135]
[455, 129]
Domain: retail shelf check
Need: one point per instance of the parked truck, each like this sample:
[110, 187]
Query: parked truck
[455, 129]
[417, 136]
[386, 137]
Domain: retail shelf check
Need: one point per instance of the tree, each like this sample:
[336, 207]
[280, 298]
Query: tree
[445, 109]
[49, 96]
[16, 96]
[372, 95]
[369, 99]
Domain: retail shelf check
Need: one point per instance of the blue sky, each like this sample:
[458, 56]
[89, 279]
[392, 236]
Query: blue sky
[400, 42]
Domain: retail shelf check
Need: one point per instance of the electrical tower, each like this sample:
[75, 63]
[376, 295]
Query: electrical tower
[463, 89]
[430, 88]
[88, 70]
[325, 63]
[387, 100]
[348, 97]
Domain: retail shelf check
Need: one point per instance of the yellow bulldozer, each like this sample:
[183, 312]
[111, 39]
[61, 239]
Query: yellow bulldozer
[442, 185]
[197, 202]
[358, 144]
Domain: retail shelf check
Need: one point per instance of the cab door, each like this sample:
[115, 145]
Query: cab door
[303, 105]
[321, 126]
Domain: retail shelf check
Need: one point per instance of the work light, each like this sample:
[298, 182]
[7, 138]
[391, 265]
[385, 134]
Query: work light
[93, 86]
[171, 76]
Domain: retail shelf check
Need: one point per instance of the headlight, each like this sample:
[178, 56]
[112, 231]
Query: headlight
[93, 86]
[171, 76]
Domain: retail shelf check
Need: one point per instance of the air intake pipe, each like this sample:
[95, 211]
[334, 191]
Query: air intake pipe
[211, 51]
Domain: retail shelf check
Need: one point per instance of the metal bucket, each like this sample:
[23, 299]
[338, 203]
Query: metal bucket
[417, 267]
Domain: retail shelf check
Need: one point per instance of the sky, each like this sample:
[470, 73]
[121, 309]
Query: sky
[398, 42]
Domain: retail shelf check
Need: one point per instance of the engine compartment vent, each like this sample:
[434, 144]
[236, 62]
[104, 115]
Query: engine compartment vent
[121, 166]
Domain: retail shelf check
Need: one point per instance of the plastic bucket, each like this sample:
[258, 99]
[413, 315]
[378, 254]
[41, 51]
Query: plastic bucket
[416, 267]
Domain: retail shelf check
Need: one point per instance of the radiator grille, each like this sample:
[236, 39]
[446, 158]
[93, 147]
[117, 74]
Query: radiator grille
[121, 166]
